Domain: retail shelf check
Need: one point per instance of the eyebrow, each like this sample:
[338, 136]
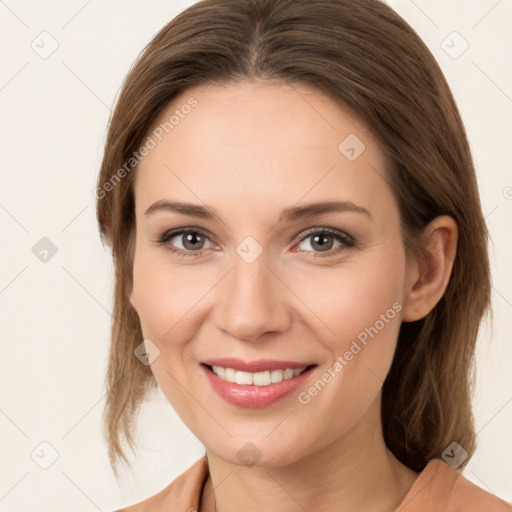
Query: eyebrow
[290, 214]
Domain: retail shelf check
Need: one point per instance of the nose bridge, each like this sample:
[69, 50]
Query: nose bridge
[251, 302]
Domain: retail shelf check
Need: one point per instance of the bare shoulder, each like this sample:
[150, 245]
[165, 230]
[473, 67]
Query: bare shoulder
[468, 496]
[477, 499]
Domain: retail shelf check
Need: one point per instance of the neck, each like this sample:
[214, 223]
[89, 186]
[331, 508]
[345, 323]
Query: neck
[353, 473]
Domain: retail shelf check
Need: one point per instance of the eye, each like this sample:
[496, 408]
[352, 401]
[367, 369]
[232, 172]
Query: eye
[322, 240]
[191, 242]
[184, 242]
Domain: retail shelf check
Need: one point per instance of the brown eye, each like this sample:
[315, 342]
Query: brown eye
[326, 240]
[192, 241]
[322, 242]
[184, 242]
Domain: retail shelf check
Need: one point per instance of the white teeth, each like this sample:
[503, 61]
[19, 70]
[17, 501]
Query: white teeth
[264, 378]
[261, 378]
[221, 372]
[230, 374]
[288, 374]
[243, 378]
[276, 376]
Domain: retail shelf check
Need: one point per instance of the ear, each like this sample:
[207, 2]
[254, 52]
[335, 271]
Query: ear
[427, 279]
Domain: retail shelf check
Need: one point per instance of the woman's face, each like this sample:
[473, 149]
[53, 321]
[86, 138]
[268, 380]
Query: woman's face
[269, 281]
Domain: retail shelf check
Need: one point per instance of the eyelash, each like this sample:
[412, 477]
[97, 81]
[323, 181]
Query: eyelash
[340, 236]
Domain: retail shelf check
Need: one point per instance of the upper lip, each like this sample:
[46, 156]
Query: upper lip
[259, 365]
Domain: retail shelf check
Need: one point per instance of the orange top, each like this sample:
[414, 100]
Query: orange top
[438, 488]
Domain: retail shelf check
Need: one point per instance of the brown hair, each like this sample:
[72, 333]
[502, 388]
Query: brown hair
[366, 57]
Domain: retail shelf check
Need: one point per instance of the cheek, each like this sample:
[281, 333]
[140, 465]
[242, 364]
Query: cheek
[165, 298]
[350, 303]
[363, 308]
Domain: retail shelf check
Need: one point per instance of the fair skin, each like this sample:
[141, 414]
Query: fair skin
[250, 150]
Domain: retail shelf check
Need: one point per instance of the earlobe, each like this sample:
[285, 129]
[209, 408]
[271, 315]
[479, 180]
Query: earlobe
[428, 279]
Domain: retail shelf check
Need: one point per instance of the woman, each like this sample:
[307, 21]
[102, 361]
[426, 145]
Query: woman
[291, 203]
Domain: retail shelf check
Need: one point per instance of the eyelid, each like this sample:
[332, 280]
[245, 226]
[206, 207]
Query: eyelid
[163, 237]
[324, 229]
[343, 237]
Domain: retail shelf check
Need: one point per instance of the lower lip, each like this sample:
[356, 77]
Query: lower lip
[254, 397]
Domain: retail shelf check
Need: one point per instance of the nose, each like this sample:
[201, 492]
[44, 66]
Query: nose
[252, 301]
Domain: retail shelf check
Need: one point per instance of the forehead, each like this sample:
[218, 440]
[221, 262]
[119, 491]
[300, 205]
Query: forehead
[275, 144]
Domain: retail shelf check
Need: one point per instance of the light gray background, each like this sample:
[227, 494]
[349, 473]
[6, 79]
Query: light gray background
[56, 314]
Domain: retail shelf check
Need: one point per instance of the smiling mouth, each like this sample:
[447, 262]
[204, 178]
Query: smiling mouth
[262, 378]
